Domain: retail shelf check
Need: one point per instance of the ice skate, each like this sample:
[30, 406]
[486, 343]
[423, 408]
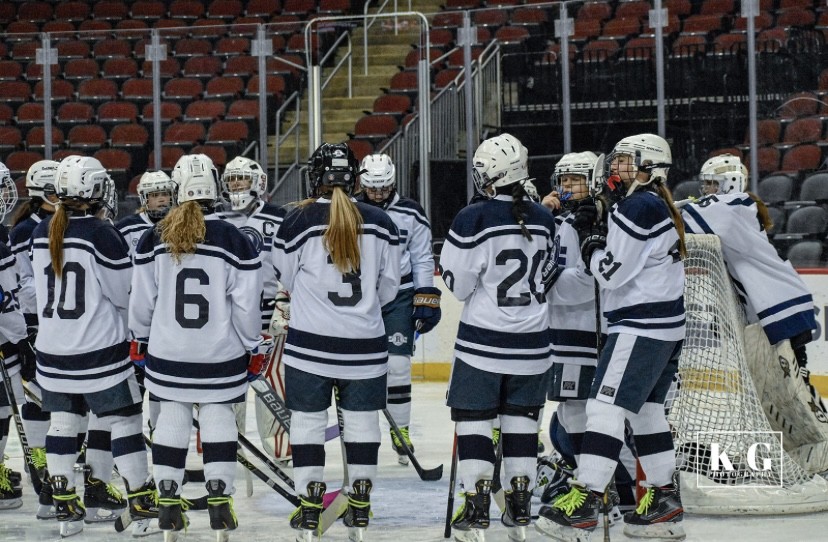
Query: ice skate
[143, 508]
[11, 496]
[306, 518]
[396, 445]
[103, 502]
[220, 506]
[552, 477]
[171, 518]
[518, 512]
[69, 510]
[46, 505]
[472, 518]
[358, 513]
[572, 517]
[14, 477]
[659, 515]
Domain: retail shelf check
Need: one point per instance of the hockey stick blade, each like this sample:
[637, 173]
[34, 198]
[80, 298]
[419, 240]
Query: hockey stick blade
[426, 475]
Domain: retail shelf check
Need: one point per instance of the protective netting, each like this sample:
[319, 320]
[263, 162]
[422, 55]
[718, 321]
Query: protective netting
[729, 458]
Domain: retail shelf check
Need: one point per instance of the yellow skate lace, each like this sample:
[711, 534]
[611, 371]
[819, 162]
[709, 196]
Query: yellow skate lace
[495, 435]
[223, 500]
[406, 437]
[570, 501]
[645, 502]
[149, 491]
[5, 483]
[113, 492]
[70, 497]
[461, 510]
[39, 458]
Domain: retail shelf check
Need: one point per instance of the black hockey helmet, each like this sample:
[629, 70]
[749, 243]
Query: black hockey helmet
[332, 164]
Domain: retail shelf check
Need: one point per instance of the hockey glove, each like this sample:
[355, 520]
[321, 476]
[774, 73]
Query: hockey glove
[427, 311]
[138, 352]
[259, 358]
[592, 243]
[28, 360]
[281, 314]
[550, 273]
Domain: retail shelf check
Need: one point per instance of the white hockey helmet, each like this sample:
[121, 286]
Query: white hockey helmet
[40, 179]
[196, 178]
[574, 163]
[726, 171]
[500, 161]
[81, 178]
[8, 191]
[152, 182]
[244, 169]
[378, 171]
[650, 153]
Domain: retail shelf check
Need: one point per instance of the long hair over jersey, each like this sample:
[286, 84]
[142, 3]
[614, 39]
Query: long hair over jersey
[664, 193]
[182, 229]
[341, 238]
[57, 231]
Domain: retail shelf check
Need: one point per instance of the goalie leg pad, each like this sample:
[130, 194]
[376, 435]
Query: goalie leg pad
[275, 439]
[787, 400]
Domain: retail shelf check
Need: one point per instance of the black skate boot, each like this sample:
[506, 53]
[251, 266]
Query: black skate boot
[473, 515]
[220, 506]
[103, 502]
[553, 474]
[46, 504]
[518, 512]
[396, 445]
[171, 518]
[306, 517]
[69, 510]
[659, 515]
[11, 496]
[573, 516]
[143, 508]
[358, 513]
[14, 477]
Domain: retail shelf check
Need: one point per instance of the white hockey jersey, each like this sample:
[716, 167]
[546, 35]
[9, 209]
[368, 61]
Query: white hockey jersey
[201, 315]
[12, 324]
[490, 266]
[336, 328]
[20, 241]
[772, 291]
[82, 345]
[640, 271]
[261, 227]
[132, 228]
[417, 266]
[572, 302]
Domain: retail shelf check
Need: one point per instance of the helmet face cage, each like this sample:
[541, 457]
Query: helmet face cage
[81, 178]
[40, 179]
[499, 161]
[110, 200]
[378, 177]
[8, 191]
[580, 164]
[648, 153]
[155, 182]
[196, 179]
[332, 164]
[726, 172]
[249, 172]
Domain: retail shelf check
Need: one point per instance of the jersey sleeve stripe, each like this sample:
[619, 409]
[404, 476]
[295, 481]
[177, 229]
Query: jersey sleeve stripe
[123, 263]
[804, 299]
[697, 218]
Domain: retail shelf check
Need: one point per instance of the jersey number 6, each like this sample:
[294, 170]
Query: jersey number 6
[182, 299]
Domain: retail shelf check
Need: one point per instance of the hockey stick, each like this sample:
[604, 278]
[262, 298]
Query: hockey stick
[21, 433]
[258, 454]
[497, 486]
[276, 405]
[452, 481]
[426, 475]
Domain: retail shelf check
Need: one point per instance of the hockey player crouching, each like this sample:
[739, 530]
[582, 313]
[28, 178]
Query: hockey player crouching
[635, 253]
[417, 305]
[491, 262]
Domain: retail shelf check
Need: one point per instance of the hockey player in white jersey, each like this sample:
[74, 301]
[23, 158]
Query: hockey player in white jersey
[635, 253]
[244, 185]
[491, 262]
[340, 260]
[82, 273]
[156, 192]
[417, 305]
[196, 326]
[774, 297]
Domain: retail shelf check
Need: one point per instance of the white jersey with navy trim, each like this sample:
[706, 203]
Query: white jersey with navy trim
[12, 324]
[81, 344]
[417, 266]
[132, 228]
[773, 292]
[201, 315]
[640, 271]
[336, 327]
[490, 266]
[261, 227]
[20, 241]
[572, 302]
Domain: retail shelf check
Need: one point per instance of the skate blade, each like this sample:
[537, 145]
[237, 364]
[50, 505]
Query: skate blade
[356, 534]
[144, 527]
[172, 536]
[403, 460]
[516, 534]
[101, 515]
[45, 512]
[560, 532]
[472, 535]
[11, 504]
[70, 528]
[615, 516]
[124, 521]
[223, 535]
[665, 531]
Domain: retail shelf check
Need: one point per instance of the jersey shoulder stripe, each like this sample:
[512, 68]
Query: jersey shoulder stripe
[637, 231]
[489, 233]
[272, 212]
[407, 206]
[696, 220]
[644, 209]
[21, 234]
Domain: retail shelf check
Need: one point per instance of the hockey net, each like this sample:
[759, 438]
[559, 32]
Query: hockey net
[716, 416]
